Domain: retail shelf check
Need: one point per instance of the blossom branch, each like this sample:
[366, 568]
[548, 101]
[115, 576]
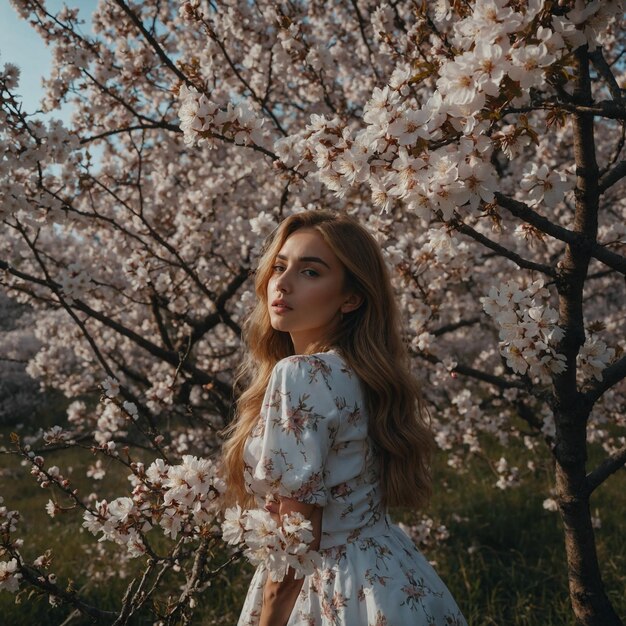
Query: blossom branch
[269, 82]
[524, 212]
[609, 109]
[152, 41]
[193, 581]
[251, 146]
[92, 343]
[155, 306]
[140, 116]
[529, 416]
[58, 292]
[159, 239]
[128, 129]
[115, 224]
[130, 604]
[261, 101]
[616, 151]
[604, 69]
[448, 328]
[361, 21]
[200, 328]
[39, 581]
[612, 176]
[610, 465]
[611, 376]
[502, 251]
[606, 256]
[465, 370]
[165, 567]
[598, 251]
[169, 356]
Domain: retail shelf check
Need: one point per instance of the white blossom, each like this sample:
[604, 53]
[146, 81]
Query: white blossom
[263, 224]
[528, 329]
[111, 387]
[594, 357]
[232, 526]
[544, 185]
[9, 576]
[56, 434]
[550, 504]
[51, 508]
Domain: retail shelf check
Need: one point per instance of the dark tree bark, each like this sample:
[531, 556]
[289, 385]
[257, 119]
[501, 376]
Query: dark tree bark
[590, 603]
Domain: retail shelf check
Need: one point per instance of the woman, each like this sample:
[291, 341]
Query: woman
[331, 426]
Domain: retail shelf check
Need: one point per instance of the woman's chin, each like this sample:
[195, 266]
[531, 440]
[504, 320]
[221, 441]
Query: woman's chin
[278, 324]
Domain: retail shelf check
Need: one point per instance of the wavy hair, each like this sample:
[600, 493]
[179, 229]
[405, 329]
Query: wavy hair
[369, 339]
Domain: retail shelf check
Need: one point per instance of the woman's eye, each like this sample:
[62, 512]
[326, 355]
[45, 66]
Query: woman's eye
[277, 267]
[313, 273]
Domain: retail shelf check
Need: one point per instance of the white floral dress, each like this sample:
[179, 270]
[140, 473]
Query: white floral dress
[311, 444]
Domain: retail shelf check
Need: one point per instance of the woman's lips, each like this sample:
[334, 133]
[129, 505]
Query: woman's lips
[280, 308]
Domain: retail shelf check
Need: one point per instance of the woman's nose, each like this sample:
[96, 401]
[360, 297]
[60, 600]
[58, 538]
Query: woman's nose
[282, 281]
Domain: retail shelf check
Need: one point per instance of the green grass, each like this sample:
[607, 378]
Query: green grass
[505, 564]
[504, 561]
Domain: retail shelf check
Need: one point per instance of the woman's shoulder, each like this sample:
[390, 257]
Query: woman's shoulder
[328, 368]
[330, 359]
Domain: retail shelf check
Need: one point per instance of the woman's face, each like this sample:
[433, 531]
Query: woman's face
[307, 277]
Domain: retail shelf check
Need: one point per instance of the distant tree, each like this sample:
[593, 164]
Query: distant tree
[20, 394]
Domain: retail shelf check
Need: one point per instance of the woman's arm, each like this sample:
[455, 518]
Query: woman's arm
[279, 598]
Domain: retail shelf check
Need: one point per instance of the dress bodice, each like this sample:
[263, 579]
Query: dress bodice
[311, 444]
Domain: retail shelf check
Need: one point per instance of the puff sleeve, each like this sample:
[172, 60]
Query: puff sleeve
[299, 419]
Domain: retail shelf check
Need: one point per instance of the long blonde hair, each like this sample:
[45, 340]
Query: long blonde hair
[370, 341]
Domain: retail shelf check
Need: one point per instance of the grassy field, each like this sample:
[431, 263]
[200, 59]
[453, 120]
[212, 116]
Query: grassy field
[504, 560]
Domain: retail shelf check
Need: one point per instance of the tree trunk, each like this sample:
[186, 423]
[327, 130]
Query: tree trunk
[590, 603]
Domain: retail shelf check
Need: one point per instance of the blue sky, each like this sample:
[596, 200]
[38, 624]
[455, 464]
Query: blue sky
[22, 46]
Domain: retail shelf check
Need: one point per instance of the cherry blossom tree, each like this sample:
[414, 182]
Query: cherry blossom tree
[481, 141]
[20, 396]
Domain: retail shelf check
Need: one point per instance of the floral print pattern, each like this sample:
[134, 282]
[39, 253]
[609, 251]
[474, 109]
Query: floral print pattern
[312, 444]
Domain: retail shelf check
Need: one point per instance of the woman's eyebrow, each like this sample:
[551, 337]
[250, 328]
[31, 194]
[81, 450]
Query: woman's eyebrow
[308, 259]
